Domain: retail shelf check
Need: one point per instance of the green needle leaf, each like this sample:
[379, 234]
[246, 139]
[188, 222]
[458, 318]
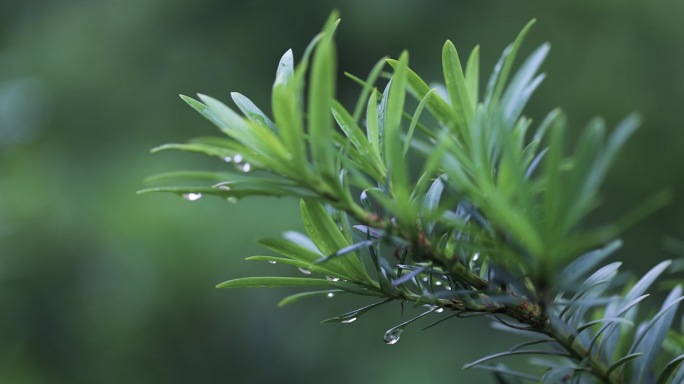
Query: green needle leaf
[325, 233]
[498, 81]
[321, 93]
[461, 101]
[622, 362]
[268, 282]
[472, 76]
[514, 353]
[252, 111]
[298, 296]
[669, 370]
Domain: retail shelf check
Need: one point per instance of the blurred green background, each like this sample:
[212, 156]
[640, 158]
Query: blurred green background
[99, 285]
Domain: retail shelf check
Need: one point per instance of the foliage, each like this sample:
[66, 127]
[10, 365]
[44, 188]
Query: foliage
[462, 206]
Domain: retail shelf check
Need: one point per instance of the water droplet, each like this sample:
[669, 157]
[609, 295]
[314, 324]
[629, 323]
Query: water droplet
[227, 159]
[304, 271]
[192, 196]
[476, 256]
[237, 159]
[330, 295]
[271, 261]
[425, 279]
[439, 310]
[392, 336]
[448, 288]
[224, 187]
[232, 199]
[332, 278]
[349, 320]
[438, 283]
[246, 167]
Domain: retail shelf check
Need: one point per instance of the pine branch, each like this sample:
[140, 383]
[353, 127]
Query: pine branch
[491, 226]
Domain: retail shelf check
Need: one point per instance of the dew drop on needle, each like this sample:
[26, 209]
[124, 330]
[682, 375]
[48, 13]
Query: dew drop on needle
[192, 196]
[392, 336]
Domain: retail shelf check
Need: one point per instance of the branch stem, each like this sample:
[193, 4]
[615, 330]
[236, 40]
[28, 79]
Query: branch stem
[582, 355]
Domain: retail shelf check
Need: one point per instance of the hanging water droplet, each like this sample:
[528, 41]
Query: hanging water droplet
[246, 167]
[425, 279]
[330, 295]
[447, 287]
[349, 320]
[227, 159]
[392, 336]
[332, 278]
[476, 256]
[438, 283]
[237, 159]
[192, 196]
[232, 199]
[304, 271]
[439, 310]
[271, 261]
